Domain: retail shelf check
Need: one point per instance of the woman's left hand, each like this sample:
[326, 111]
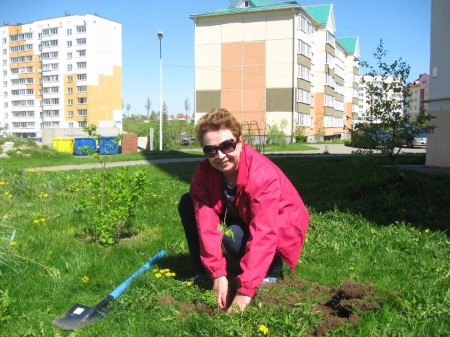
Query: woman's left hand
[239, 302]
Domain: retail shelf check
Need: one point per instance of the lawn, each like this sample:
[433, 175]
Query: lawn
[375, 263]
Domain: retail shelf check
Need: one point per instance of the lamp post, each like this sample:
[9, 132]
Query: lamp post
[160, 36]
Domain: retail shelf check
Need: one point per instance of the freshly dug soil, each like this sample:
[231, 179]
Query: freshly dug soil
[336, 306]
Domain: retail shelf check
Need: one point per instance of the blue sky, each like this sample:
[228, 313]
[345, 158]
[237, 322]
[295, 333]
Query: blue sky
[404, 26]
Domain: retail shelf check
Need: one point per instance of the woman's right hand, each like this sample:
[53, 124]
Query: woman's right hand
[220, 289]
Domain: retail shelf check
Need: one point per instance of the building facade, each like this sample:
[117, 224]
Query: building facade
[438, 143]
[419, 94]
[365, 98]
[276, 63]
[64, 72]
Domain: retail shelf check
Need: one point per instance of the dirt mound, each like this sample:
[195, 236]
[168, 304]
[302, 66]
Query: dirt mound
[336, 306]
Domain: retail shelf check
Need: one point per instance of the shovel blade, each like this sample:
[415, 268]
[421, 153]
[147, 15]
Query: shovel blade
[78, 316]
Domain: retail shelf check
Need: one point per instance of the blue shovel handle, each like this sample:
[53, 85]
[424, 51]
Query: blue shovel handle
[121, 288]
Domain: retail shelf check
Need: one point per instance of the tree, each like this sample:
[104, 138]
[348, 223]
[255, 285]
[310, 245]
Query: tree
[128, 109]
[387, 96]
[187, 107]
[148, 106]
[165, 111]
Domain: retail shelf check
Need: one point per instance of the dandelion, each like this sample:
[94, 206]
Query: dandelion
[31, 170]
[189, 283]
[85, 279]
[36, 221]
[173, 274]
[13, 243]
[158, 275]
[3, 183]
[427, 231]
[155, 270]
[43, 220]
[263, 329]
[168, 274]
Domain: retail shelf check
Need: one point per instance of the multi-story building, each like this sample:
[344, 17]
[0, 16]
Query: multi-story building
[420, 92]
[64, 72]
[365, 99]
[276, 63]
[438, 143]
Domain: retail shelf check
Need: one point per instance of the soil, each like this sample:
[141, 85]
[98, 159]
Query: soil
[335, 306]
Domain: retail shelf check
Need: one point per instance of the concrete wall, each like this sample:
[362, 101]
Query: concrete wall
[438, 147]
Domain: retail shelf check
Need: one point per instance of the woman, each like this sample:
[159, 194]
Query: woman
[240, 187]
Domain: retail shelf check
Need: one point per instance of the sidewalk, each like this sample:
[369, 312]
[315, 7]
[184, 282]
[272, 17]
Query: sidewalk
[322, 149]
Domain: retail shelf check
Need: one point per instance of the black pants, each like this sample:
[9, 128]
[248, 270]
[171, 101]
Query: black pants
[234, 246]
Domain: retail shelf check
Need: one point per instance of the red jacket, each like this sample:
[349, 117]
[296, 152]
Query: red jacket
[267, 202]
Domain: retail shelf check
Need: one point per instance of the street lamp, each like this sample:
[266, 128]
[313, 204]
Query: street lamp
[160, 36]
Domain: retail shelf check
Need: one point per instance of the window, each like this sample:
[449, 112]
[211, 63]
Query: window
[69, 91]
[81, 65]
[81, 29]
[82, 88]
[303, 96]
[304, 120]
[69, 44]
[69, 31]
[329, 101]
[82, 112]
[81, 53]
[304, 72]
[304, 48]
[69, 79]
[329, 60]
[329, 80]
[305, 25]
[69, 55]
[81, 124]
[81, 41]
[81, 77]
[330, 39]
[82, 100]
[70, 113]
[69, 67]
[70, 102]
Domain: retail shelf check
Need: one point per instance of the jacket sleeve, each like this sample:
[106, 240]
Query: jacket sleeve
[207, 219]
[263, 196]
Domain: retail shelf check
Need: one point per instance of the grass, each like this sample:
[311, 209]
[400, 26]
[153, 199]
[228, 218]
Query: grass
[367, 225]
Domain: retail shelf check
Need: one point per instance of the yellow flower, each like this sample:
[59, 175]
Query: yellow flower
[5, 217]
[43, 220]
[36, 221]
[31, 170]
[158, 275]
[168, 274]
[13, 243]
[427, 231]
[10, 196]
[262, 328]
[189, 283]
[173, 274]
[155, 270]
[85, 279]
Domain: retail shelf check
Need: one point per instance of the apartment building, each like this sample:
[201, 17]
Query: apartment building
[64, 72]
[420, 93]
[276, 63]
[364, 98]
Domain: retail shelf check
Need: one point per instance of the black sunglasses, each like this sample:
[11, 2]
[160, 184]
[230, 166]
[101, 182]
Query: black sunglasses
[225, 147]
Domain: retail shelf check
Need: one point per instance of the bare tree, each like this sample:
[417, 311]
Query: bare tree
[187, 107]
[148, 106]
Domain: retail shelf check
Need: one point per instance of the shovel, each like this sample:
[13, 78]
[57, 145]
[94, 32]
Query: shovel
[81, 315]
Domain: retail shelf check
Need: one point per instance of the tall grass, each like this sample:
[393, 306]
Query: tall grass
[366, 225]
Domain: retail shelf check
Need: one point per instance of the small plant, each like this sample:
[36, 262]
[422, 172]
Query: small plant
[275, 133]
[112, 201]
[112, 205]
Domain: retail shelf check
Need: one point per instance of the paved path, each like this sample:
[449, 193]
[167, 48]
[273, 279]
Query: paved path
[322, 149]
